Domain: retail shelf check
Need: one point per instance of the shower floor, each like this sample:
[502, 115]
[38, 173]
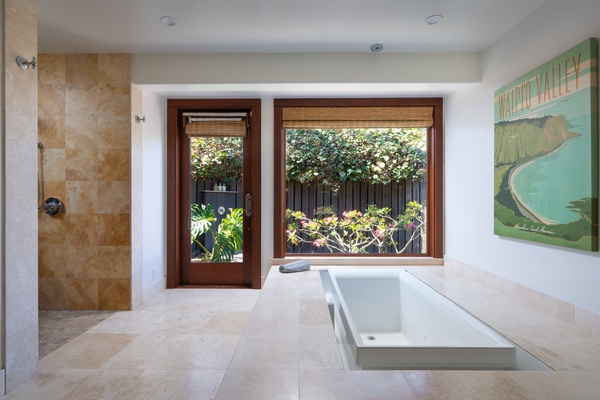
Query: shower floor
[57, 328]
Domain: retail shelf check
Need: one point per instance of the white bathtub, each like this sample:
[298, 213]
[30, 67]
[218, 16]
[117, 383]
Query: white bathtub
[389, 319]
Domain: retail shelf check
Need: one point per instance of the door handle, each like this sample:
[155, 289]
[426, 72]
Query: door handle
[248, 204]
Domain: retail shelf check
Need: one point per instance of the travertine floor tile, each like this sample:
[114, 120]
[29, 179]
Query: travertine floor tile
[354, 385]
[257, 384]
[89, 350]
[311, 290]
[318, 348]
[164, 301]
[270, 349]
[215, 343]
[280, 314]
[462, 385]
[50, 384]
[119, 384]
[571, 385]
[192, 385]
[132, 322]
[180, 322]
[218, 300]
[561, 347]
[226, 323]
[176, 352]
[314, 312]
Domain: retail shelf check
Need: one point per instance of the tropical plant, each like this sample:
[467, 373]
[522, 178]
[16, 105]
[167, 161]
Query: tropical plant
[228, 237]
[202, 219]
[355, 232]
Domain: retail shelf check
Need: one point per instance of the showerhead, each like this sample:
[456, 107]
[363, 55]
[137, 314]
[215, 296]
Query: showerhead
[40, 145]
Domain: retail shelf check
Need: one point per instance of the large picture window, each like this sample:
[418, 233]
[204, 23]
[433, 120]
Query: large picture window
[358, 177]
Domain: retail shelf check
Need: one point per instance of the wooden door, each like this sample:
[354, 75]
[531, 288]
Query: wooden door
[213, 234]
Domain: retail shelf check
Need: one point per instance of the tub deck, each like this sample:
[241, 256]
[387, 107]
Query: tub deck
[298, 352]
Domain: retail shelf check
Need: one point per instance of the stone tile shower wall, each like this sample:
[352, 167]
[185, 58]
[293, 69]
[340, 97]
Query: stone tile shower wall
[84, 125]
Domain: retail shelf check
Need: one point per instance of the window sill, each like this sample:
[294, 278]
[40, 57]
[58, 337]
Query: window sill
[363, 261]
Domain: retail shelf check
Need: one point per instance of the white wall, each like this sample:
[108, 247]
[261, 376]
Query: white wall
[267, 76]
[154, 195]
[2, 255]
[267, 182]
[567, 274]
[553, 28]
[137, 200]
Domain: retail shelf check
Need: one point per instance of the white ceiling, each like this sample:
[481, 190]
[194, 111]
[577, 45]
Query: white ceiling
[274, 26]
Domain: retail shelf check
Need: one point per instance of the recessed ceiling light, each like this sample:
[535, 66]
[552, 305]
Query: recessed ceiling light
[434, 19]
[166, 20]
[376, 48]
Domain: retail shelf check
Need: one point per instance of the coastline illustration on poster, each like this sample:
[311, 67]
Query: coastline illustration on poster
[546, 152]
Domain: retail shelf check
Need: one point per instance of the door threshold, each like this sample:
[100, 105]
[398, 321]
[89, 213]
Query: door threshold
[214, 287]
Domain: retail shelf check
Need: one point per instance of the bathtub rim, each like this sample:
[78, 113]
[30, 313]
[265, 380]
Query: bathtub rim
[386, 357]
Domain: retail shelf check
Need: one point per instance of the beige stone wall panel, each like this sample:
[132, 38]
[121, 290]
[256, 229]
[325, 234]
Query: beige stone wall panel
[85, 126]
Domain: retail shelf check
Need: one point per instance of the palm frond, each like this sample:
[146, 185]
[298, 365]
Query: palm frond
[202, 218]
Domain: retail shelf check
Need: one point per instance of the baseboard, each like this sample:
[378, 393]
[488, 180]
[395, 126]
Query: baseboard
[2, 381]
[153, 289]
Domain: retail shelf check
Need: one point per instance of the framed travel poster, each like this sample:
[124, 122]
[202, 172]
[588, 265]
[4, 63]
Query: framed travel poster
[546, 152]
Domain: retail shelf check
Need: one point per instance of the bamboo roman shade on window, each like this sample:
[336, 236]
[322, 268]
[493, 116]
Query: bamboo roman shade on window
[356, 117]
[216, 124]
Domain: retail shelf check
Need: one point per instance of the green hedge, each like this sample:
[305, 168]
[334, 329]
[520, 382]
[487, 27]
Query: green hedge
[218, 159]
[327, 156]
[331, 157]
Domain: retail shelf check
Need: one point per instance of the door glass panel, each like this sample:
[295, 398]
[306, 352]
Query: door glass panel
[216, 218]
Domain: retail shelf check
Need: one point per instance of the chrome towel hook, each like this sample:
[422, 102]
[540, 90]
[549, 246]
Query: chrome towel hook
[24, 64]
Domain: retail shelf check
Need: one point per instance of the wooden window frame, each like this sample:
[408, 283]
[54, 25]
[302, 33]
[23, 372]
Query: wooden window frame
[435, 171]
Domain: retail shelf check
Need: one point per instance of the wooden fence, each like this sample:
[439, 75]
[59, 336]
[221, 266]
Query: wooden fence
[197, 187]
[350, 196]
[356, 196]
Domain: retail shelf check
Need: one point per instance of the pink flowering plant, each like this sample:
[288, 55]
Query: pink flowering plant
[354, 232]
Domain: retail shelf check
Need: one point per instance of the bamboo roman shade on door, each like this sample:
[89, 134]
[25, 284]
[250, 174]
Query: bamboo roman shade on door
[356, 117]
[215, 124]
